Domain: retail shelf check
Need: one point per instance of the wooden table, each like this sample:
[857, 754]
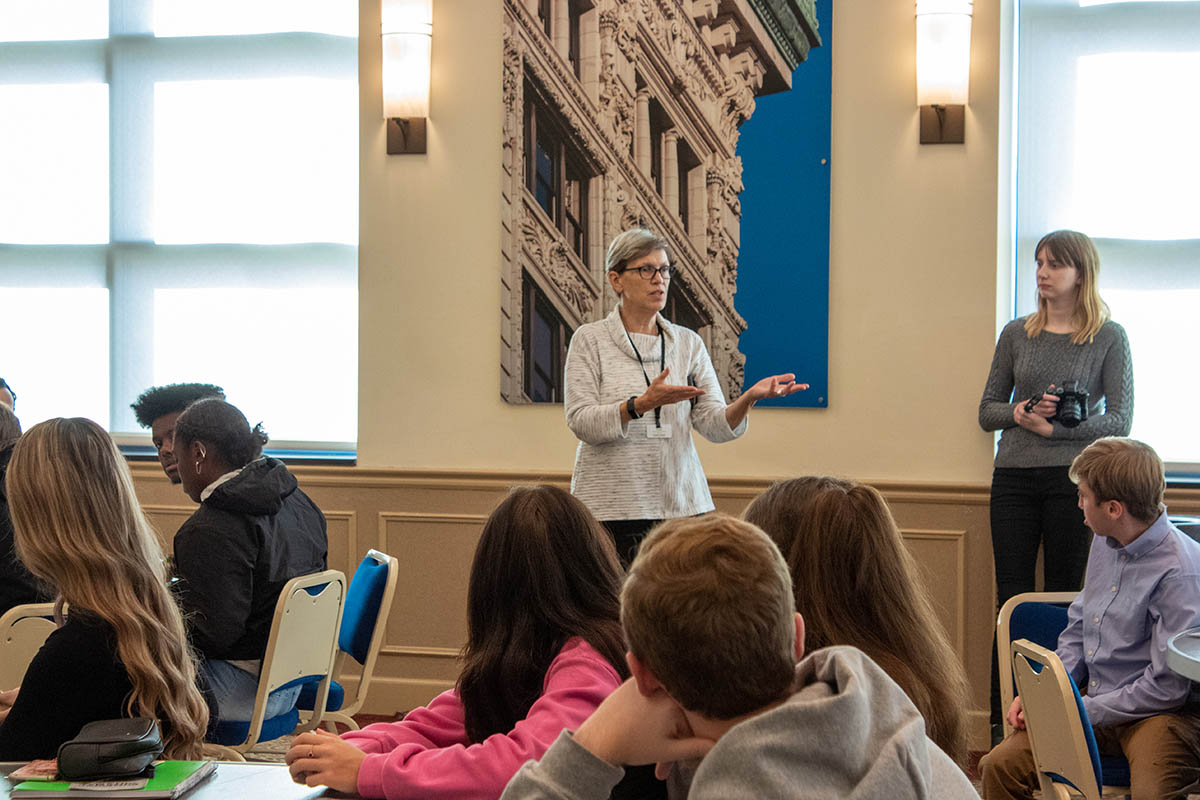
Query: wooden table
[233, 781]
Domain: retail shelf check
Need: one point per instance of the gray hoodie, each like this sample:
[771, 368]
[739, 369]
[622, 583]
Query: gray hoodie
[848, 731]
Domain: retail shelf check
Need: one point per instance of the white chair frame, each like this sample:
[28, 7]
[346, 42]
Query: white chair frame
[1004, 640]
[302, 643]
[23, 630]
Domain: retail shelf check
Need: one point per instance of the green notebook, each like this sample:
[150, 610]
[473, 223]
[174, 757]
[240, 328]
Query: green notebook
[171, 779]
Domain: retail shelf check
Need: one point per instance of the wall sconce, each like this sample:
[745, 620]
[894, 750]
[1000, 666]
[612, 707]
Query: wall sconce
[943, 68]
[407, 30]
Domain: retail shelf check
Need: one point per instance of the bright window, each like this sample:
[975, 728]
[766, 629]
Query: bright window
[179, 202]
[1107, 123]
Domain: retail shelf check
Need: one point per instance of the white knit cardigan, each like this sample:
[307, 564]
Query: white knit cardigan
[620, 472]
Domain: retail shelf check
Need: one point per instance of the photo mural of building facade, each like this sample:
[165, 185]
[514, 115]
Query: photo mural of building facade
[623, 113]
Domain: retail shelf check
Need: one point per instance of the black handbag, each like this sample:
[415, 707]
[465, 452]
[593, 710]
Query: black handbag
[110, 748]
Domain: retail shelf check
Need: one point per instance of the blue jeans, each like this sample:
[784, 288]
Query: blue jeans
[235, 689]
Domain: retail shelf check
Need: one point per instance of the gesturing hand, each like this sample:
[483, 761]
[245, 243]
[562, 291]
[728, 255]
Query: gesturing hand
[775, 386]
[321, 758]
[630, 728]
[661, 393]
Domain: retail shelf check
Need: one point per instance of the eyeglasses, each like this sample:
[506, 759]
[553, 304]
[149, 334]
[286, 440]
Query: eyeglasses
[647, 272]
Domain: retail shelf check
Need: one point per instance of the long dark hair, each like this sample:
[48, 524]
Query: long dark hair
[856, 584]
[544, 571]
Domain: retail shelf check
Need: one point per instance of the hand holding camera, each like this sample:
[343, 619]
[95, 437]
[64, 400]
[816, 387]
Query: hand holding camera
[1071, 406]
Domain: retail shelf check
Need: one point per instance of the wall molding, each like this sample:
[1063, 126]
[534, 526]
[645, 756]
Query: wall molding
[352, 477]
[958, 540]
[424, 652]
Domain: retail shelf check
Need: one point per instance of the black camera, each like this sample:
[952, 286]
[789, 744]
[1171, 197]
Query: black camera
[1072, 404]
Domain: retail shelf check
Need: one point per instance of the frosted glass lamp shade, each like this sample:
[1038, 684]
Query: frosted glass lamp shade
[407, 29]
[943, 51]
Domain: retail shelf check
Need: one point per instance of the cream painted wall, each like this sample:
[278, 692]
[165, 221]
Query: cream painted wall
[912, 285]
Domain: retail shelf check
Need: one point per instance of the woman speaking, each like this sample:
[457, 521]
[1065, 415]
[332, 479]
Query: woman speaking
[636, 385]
[1061, 378]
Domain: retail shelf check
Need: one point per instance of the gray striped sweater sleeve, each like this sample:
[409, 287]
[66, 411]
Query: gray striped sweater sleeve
[588, 418]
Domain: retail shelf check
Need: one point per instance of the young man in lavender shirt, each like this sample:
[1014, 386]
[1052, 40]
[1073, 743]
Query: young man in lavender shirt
[1142, 586]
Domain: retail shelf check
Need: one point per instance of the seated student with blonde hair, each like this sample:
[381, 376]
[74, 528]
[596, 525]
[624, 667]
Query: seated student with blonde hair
[1142, 587]
[714, 639]
[856, 584]
[122, 651]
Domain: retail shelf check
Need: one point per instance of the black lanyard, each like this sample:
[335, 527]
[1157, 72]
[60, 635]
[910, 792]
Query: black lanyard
[662, 364]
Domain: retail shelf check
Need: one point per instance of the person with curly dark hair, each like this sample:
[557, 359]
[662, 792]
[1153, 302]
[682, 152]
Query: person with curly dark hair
[254, 531]
[159, 407]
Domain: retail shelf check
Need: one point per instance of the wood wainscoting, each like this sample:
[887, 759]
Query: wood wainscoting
[430, 520]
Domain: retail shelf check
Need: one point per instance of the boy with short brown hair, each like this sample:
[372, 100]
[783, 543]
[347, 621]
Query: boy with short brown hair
[1142, 587]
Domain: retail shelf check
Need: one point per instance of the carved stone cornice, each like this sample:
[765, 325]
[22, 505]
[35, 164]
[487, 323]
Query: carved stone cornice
[792, 26]
[678, 41]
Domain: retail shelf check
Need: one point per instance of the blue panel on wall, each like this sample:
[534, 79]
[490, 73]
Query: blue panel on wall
[783, 264]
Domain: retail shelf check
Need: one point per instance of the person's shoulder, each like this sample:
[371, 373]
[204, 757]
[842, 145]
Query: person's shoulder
[1185, 551]
[210, 531]
[577, 654]
[84, 634]
[1113, 330]
[205, 520]
[590, 330]
[685, 338]
[1015, 329]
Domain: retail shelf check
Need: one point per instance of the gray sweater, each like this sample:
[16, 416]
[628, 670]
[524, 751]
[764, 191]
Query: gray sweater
[1028, 366]
[620, 471]
[847, 731]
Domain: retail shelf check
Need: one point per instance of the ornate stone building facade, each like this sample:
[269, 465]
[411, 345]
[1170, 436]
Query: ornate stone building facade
[620, 113]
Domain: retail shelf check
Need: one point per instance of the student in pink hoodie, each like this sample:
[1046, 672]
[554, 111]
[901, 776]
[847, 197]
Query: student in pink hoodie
[544, 648]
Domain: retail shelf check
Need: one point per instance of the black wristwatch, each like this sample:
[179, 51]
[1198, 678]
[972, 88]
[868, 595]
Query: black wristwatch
[632, 409]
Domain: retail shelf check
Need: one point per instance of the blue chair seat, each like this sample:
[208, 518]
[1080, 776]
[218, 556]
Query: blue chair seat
[308, 697]
[234, 731]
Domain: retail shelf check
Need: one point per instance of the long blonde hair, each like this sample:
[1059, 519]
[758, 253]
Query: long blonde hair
[856, 584]
[78, 526]
[1090, 312]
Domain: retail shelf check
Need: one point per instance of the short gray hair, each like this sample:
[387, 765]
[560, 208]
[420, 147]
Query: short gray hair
[633, 244]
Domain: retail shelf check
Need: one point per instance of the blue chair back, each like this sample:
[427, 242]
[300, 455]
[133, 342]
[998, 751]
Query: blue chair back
[1040, 623]
[362, 607]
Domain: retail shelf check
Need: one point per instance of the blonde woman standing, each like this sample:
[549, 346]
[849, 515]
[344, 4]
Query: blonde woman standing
[1069, 338]
[122, 650]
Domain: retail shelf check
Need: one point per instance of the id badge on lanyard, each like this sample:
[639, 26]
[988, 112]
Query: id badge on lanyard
[658, 430]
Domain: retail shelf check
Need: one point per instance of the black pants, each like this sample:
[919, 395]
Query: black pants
[627, 536]
[1031, 507]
